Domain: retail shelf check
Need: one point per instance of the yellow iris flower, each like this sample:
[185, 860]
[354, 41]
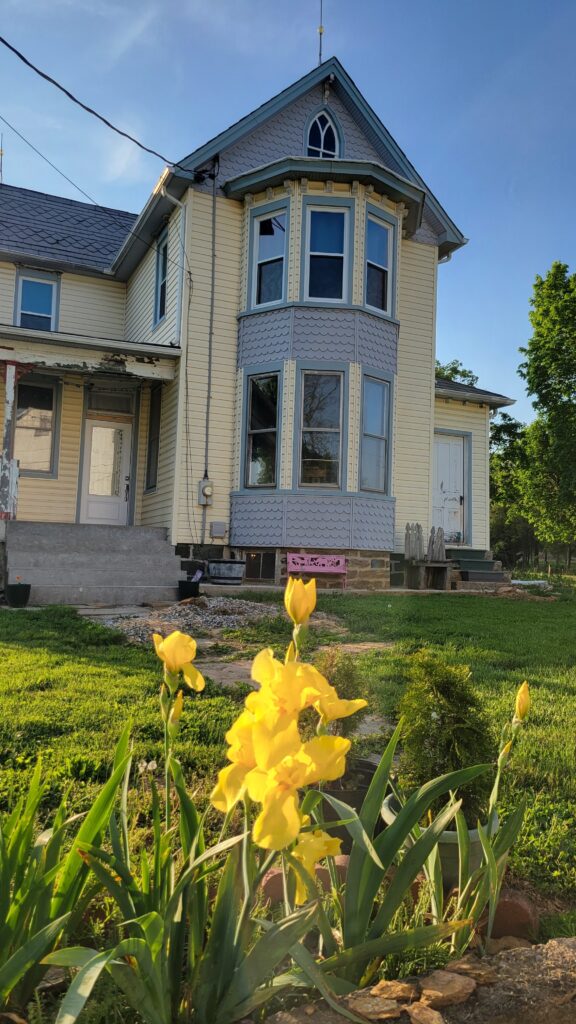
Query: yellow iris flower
[300, 600]
[523, 702]
[178, 651]
[310, 848]
[289, 688]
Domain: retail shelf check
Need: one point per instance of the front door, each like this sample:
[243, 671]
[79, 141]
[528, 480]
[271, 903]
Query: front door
[106, 473]
[448, 494]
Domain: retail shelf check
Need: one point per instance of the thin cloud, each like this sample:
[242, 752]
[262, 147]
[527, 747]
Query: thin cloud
[134, 31]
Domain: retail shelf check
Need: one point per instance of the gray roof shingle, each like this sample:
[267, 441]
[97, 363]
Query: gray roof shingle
[466, 392]
[42, 227]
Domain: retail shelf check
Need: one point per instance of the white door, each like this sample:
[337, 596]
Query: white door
[448, 494]
[106, 473]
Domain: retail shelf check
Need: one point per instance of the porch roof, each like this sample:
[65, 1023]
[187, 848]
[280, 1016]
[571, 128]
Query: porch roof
[466, 393]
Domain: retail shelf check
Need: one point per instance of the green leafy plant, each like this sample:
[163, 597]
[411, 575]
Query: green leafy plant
[44, 884]
[445, 728]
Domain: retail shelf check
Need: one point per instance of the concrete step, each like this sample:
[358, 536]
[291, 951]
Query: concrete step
[78, 537]
[103, 595]
[108, 576]
[456, 554]
[476, 564]
[485, 577]
[78, 561]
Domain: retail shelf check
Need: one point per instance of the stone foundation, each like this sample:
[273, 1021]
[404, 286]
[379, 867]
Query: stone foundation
[366, 570]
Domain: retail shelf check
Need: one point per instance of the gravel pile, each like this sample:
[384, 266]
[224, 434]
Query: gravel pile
[199, 615]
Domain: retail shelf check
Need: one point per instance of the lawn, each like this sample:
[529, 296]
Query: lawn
[67, 685]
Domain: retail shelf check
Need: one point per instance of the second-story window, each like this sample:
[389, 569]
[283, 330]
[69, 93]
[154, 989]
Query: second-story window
[322, 138]
[36, 302]
[326, 254]
[269, 255]
[378, 238]
[321, 429]
[262, 431]
[161, 277]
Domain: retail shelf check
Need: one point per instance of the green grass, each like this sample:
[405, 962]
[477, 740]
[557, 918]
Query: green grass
[67, 685]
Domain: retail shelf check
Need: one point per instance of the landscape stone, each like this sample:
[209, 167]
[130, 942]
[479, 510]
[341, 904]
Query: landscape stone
[373, 1007]
[515, 915]
[421, 1013]
[441, 988]
[402, 991]
[494, 946]
[473, 967]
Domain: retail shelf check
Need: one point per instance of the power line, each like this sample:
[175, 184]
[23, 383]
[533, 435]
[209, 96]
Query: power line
[104, 209]
[84, 106]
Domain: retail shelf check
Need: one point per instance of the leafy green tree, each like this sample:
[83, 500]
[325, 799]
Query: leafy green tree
[549, 368]
[454, 370]
[512, 537]
[547, 483]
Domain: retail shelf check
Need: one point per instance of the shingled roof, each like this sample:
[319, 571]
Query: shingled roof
[466, 393]
[58, 232]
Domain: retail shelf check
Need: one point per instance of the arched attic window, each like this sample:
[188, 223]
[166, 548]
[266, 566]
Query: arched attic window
[323, 138]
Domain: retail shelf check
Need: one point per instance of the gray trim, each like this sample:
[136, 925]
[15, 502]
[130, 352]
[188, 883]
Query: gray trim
[56, 385]
[82, 447]
[466, 435]
[282, 206]
[312, 520]
[161, 240]
[318, 169]
[14, 333]
[31, 274]
[134, 456]
[152, 388]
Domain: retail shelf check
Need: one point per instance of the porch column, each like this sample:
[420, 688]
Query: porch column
[8, 464]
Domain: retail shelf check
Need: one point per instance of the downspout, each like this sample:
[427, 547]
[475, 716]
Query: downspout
[210, 346]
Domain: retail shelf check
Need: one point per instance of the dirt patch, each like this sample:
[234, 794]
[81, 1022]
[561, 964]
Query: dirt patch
[208, 615]
[365, 647]
[226, 673]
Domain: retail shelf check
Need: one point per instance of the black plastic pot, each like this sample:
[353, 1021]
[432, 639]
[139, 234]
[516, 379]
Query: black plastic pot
[188, 588]
[351, 789]
[17, 594]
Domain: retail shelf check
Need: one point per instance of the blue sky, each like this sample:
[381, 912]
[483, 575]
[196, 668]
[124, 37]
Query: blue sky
[480, 95]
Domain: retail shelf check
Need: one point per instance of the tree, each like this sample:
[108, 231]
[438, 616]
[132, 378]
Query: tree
[547, 481]
[454, 370]
[512, 536]
[549, 368]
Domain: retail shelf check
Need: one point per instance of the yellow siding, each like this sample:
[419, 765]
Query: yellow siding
[54, 501]
[474, 420]
[92, 306]
[288, 424]
[157, 505]
[413, 410]
[140, 294]
[229, 215]
[7, 284]
[354, 414]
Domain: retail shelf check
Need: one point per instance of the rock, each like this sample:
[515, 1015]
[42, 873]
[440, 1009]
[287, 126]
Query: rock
[273, 886]
[494, 946]
[515, 915]
[441, 988]
[421, 1013]
[473, 967]
[372, 1007]
[402, 991]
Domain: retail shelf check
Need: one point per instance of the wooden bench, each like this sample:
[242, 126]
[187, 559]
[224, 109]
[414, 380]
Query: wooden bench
[314, 565]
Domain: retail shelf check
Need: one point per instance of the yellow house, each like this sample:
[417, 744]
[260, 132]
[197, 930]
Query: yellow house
[243, 372]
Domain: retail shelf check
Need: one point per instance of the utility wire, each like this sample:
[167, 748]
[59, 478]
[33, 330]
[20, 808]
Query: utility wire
[84, 106]
[105, 209]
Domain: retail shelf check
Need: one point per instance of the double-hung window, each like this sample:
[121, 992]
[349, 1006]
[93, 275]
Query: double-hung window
[326, 254]
[36, 302]
[321, 429]
[35, 427]
[161, 277]
[269, 257]
[378, 261]
[375, 431]
[262, 431]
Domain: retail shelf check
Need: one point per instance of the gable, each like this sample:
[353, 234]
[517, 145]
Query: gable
[284, 134]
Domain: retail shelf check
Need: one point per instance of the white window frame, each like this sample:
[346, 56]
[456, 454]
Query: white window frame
[321, 430]
[161, 244]
[39, 278]
[345, 255]
[282, 210]
[323, 155]
[389, 280]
